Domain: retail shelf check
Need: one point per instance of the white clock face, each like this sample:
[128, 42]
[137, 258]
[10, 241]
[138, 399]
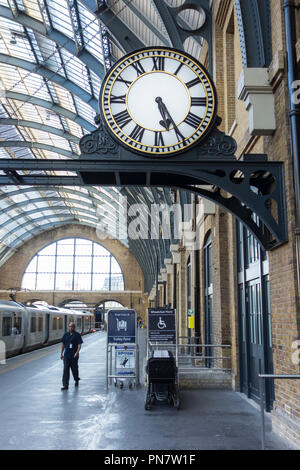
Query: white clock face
[158, 102]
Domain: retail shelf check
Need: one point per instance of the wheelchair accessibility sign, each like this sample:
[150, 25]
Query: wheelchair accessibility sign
[161, 324]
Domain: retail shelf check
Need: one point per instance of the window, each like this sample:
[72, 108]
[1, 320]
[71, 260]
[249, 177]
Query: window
[17, 326]
[40, 323]
[6, 326]
[73, 264]
[33, 325]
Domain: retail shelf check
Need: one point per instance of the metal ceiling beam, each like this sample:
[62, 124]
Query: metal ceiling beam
[45, 227]
[39, 209]
[125, 38]
[201, 177]
[39, 126]
[41, 219]
[40, 146]
[54, 35]
[169, 23]
[254, 24]
[109, 220]
[68, 190]
[149, 25]
[52, 76]
[12, 95]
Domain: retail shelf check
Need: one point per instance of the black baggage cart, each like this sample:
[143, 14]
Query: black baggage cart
[162, 380]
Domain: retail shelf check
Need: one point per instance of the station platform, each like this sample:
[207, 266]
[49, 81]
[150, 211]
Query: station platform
[36, 414]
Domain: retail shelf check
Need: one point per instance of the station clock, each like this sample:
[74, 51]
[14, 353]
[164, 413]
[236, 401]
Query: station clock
[158, 101]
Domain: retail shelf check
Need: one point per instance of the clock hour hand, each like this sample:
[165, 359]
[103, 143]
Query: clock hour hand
[162, 109]
[170, 119]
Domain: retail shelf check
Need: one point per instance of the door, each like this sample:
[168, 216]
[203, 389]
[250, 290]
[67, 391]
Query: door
[254, 314]
[255, 336]
[208, 304]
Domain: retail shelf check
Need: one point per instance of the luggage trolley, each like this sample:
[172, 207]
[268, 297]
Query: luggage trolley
[162, 383]
[162, 354]
[122, 358]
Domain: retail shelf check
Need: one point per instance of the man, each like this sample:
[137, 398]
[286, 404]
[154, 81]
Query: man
[71, 345]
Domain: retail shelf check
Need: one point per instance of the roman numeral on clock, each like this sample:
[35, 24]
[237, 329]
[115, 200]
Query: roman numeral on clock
[198, 101]
[118, 99]
[122, 118]
[192, 83]
[158, 139]
[158, 63]
[138, 68]
[137, 133]
[193, 120]
[122, 80]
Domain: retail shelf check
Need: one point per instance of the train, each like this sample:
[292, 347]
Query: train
[24, 328]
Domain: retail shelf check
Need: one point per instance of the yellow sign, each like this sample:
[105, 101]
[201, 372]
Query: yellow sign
[191, 322]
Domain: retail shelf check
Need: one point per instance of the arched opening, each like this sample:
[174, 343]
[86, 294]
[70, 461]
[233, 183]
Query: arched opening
[74, 264]
[102, 308]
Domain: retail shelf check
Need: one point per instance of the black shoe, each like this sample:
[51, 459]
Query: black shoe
[64, 388]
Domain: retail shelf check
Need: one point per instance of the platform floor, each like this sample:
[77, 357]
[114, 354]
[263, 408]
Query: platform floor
[36, 414]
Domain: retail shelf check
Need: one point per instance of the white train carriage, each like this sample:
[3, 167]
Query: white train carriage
[12, 326]
[23, 328]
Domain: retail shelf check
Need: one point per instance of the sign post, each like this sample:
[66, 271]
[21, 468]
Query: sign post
[122, 344]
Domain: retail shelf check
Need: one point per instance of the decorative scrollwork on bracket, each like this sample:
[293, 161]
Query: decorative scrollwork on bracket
[98, 142]
[218, 144]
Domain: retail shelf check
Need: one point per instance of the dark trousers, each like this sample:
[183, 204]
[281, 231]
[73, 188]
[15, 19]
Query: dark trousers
[70, 362]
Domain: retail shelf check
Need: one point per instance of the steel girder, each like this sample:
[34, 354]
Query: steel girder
[124, 37]
[41, 219]
[39, 126]
[236, 178]
[170, 24]
[55, 108]
[254, 23]
[52, 76]
[38, 145]
[90, 204]
[59, 38]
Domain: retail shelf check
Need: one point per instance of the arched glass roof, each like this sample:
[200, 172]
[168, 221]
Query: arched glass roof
[53, 56]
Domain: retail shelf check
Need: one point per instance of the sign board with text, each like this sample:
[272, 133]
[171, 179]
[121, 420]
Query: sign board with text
[121, 326]
[161, 325]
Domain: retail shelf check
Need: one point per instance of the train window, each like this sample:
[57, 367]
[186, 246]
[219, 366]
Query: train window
[54, 323]
[6, 326]
[60, 323]
[79, 323]
[40, 323]
[17, 328]
[33, 325]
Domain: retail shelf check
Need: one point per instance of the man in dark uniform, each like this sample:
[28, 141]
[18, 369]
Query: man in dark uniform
[71, 345]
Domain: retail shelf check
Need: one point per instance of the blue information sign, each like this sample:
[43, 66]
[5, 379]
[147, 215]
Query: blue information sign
[161, 325]
[121, 325]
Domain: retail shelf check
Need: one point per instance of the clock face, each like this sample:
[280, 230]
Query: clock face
[158, 102]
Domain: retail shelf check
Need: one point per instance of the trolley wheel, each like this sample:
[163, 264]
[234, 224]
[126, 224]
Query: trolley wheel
[177, 403]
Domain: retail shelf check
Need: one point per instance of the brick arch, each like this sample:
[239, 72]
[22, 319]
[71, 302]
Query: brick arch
[11, 273]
